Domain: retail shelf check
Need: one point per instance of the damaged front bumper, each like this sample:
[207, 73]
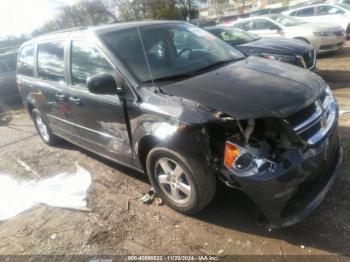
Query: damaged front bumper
[288, 194]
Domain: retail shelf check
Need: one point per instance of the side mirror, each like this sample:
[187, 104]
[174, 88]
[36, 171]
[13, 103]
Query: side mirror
[103, 84]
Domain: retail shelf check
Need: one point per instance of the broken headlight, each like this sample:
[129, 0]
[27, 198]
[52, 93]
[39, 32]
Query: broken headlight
[244, 163]
[291, 59]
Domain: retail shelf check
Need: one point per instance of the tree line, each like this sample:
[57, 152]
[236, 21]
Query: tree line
[96, 12]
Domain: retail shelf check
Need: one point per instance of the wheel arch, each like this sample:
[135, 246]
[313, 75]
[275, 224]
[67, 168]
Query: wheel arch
[302, 39]
[145, 145]
[30, 108]
[30, 104]
[189, 139]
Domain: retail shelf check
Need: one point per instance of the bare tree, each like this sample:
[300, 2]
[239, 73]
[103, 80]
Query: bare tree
[154, 9]
[82, 13]
[129, 9]
[218, 4]
[96, 12]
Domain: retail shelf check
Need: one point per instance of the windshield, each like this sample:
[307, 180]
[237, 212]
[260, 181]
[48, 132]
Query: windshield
[172, 51]
[345, 6]
[287, 21]
[234, 36]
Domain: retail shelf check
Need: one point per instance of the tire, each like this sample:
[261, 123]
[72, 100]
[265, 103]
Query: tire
[41, 124]
[201, 183]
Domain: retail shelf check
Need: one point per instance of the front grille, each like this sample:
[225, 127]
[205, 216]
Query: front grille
[306, 134]
[327, 47]
[302, 115]
[309, 59]
[331, 47]
[313, 122]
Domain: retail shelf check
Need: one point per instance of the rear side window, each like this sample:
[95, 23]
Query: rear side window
[244, 26]
[329, 10]
[307, 12]
[26, 61]
[294, 13]
[261, 24]
[51, 61]
[87, 61]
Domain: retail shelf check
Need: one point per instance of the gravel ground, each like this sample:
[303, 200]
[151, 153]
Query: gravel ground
[119, 224]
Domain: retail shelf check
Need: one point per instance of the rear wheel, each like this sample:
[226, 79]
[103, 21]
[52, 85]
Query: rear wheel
[43, 129]
[180, 180]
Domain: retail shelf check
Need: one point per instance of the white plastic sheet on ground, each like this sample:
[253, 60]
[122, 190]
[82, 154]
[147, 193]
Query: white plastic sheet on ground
[64, 190]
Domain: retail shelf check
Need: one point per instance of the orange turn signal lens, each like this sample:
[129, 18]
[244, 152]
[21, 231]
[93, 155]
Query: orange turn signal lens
[231, 153]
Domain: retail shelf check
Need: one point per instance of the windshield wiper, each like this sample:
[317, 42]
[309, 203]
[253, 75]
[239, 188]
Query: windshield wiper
[169, 78]
[213, 66]
[191, 73]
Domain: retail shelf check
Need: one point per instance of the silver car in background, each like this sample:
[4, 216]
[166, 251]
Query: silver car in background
[324, 13]
[323, 37]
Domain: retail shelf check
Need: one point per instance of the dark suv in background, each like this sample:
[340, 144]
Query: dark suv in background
[292, 51]
[9, 95]
[174, 101]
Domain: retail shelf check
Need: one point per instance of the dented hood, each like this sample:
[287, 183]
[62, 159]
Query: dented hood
[252, 88]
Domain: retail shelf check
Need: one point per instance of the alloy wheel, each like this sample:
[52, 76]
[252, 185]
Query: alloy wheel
[173, 180]
[42, 128]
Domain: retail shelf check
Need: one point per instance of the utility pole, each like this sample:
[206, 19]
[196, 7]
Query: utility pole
[188, 18]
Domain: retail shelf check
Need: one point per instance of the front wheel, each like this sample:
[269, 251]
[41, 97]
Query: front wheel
[43, 129]
[179, 180]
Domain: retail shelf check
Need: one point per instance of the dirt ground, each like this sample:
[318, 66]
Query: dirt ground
[118, 224]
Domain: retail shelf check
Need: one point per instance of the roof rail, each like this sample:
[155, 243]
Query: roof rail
[67, 30]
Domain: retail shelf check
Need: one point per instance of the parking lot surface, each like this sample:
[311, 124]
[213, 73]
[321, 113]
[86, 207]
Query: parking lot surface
[118, 224]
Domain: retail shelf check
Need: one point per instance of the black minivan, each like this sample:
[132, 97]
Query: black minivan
[173, 101]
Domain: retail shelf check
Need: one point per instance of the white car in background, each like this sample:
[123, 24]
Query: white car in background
[323, 37]
[324, 13]
[338, 2]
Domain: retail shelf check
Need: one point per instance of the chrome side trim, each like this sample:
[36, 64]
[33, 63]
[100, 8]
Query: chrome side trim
[86, 128]
[102, 155]
[80, 137]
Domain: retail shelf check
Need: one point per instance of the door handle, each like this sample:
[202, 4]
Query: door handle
[75, 100]
[60, 97]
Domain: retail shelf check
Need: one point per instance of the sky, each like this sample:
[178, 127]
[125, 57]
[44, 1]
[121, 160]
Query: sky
[23, 16]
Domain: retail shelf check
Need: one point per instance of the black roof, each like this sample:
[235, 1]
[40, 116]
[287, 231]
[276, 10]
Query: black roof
[98, 29]
[217, 27]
